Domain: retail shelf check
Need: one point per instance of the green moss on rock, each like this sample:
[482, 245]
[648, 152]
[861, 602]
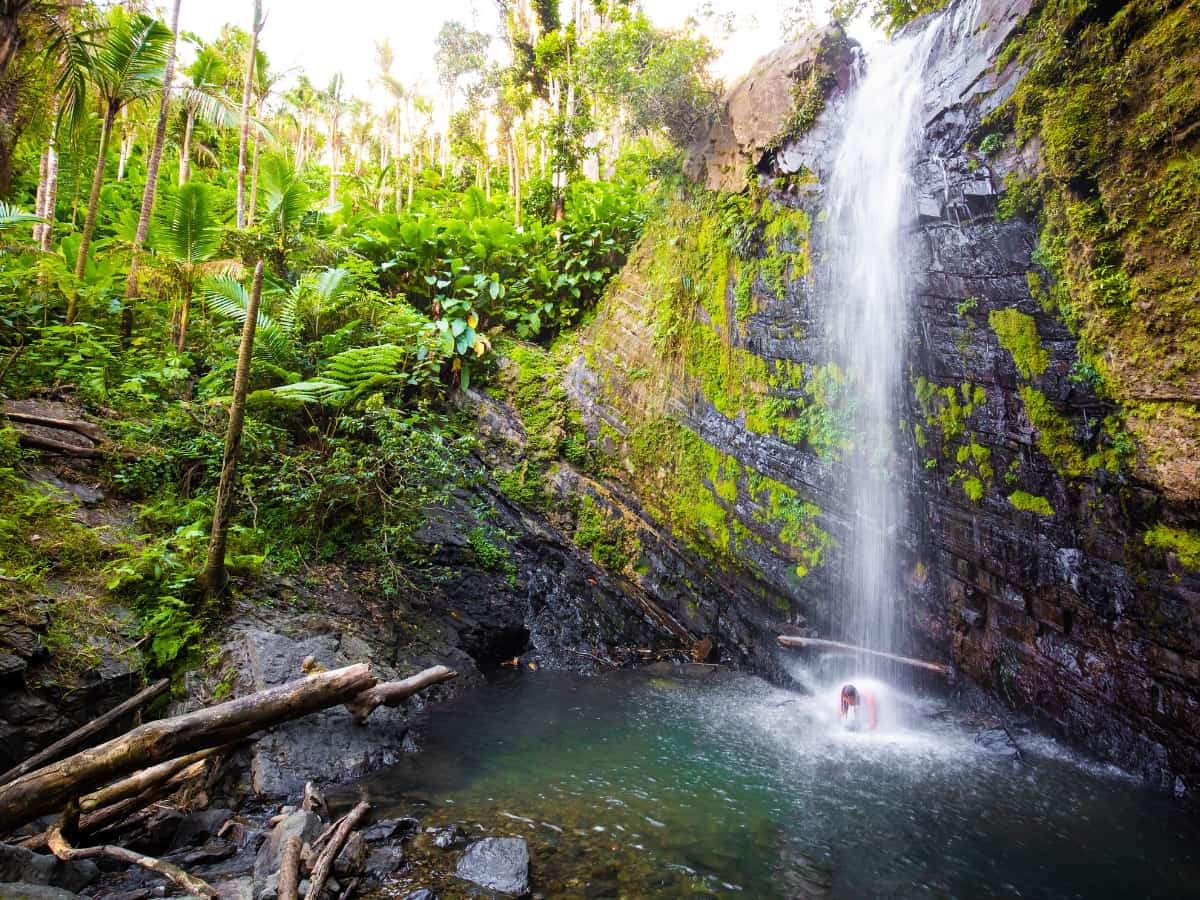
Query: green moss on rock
[1183, 542]
[1018, 334]
[1031, 503]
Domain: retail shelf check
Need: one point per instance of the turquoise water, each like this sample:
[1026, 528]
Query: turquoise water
[642, 784]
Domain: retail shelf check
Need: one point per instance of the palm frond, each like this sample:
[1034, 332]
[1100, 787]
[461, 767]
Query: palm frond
[12, 217]
[228, 297]
[131, 59]
[189, 233]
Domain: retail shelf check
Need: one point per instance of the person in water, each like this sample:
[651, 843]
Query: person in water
[858, 709]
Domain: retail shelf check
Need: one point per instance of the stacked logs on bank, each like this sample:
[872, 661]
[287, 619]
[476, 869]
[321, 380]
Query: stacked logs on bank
[98, 789]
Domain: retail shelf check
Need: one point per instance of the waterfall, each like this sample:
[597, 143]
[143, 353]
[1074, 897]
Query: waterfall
[866, 289]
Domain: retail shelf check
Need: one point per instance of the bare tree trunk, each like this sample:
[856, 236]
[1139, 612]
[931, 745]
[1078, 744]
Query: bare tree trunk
[40, 204]
[126, 147]
[185, 311]
[48, 790]
[185, 153]
[244, 137]
[152, 167]
[50, 201]
[253, 207]
[89, 223]
[215, 576]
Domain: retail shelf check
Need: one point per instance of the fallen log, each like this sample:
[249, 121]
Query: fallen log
[61, 848]
[324, 864]
[787, 640]
[118, 811]
[50, 788]
[289, 869]
[393, 693]
[96, 726]
[142, 781]
[42, 443]
[87, 429]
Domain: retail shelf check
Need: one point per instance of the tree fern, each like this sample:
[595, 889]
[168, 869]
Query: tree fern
[352, 375]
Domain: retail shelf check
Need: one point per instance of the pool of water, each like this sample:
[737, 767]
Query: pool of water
[700, 783]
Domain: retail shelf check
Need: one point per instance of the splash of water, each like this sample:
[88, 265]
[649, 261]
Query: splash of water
[866, 290]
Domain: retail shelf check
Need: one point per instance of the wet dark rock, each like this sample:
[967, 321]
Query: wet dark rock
[155, 834]
[198, 827]
[390, 829]
[499, 864]
[19, 891]
[18, 864]
[325, 746]
[444, 838]
[214, 850]
[384, 861]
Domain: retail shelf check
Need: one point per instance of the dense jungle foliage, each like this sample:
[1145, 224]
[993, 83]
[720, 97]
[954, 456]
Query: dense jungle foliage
[402, 247]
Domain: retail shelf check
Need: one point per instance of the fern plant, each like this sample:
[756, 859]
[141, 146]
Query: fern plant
[352, 375]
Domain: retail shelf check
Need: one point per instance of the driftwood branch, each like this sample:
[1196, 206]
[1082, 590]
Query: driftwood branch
[60, 747]
[61, 848]
[49, 788]
[289, 869]
[786, 640]
[393, 693]
[324, 864]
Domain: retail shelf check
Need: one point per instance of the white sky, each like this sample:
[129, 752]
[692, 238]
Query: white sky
[323, 38]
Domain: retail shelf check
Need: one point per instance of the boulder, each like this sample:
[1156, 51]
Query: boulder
[384, 861]
[23, 891]
[326, 746]
[18, 864]
[757, 108]
[498, 864]
[390, 829]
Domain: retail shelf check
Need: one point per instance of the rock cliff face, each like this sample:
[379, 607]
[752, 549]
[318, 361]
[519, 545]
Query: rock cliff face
[1051, 550]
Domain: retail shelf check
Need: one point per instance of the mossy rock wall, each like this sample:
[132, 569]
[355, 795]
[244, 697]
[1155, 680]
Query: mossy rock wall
[1049, 429]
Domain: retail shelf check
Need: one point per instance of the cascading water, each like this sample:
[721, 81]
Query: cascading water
[866, 289]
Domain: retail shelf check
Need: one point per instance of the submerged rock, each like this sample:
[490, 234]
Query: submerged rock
[499, 864]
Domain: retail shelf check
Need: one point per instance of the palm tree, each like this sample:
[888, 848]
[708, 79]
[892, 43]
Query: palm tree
[334, 100]
[286, 199]
[201, 98]
[152, 166]
[187, 239]
[265, 81]
[305, 99]
[244, 136]
[127, 66]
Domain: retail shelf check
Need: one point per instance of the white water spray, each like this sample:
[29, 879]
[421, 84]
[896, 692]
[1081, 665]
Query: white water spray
[866, 288]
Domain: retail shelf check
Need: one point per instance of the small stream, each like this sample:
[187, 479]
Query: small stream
[701, 783]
